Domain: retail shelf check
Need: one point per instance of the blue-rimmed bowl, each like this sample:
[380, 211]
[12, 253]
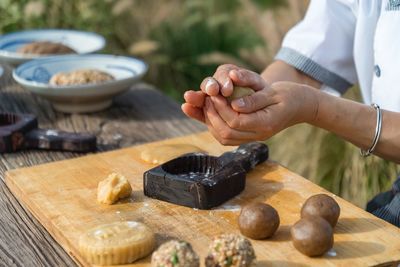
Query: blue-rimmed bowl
[35, 75]
[82, 42]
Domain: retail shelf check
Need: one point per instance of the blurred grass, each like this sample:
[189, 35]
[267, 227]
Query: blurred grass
[184, 41]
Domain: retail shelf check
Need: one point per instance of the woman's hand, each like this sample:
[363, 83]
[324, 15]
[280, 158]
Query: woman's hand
[222, 83]
[261, 115]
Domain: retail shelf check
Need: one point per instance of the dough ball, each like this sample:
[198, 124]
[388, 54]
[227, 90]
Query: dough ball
[258, 220]
[164, 153]
[321, 205]
[230, 251]
[117, 243]
[312, 236]
[80, 77]
[175, 253]
[45, 48]
[239, 92]
[113, 188]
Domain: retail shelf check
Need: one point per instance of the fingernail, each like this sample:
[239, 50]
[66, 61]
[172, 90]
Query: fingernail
[240, 102]
[208, 84]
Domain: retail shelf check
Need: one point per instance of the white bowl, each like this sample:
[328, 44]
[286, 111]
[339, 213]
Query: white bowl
[81, 42]
[35, 75]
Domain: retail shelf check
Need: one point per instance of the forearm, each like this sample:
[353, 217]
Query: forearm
[356, 123]
[281, 71]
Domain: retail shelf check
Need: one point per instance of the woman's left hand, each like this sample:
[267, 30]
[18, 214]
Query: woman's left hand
[261, 115]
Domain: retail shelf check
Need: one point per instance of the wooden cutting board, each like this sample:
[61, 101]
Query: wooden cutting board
[62, 196]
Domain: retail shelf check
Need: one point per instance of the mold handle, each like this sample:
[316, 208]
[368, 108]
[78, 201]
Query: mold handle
[247, 155]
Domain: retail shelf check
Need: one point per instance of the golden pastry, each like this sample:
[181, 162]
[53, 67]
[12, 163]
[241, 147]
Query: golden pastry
[117, 243]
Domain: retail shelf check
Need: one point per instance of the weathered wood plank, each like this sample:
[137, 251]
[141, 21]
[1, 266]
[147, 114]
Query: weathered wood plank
[141, 115]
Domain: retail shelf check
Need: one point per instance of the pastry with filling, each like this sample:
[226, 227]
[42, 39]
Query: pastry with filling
[230, 250]
[117, 243]
[77, 77]
[175, 253]
[258, 220]
[113, 188]
[164, 153]
[45, 48]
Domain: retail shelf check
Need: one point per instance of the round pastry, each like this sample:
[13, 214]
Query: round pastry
[239, 92]
[230, 251]
[45, 48]
[321, 205]
[175, 253]
[258, 220]
[80, 77]
[117, 243]
[312, 236]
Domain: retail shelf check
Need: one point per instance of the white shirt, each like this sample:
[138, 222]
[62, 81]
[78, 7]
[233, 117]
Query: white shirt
[344, 42]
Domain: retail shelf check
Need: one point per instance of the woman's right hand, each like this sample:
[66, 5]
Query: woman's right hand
[222, 82]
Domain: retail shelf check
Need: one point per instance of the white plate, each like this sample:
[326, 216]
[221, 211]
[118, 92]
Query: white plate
[81, 42]
[34, 76]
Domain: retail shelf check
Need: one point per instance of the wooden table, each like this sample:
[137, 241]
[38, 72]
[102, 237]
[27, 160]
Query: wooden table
[141, 115]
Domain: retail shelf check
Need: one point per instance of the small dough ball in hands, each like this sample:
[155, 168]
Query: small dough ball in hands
[175, 253]
[258, 220]
[113, 188]
[239, 92]
[230, 251]
[321, 205]
[312, 236]
[45, 48]
[117, 243]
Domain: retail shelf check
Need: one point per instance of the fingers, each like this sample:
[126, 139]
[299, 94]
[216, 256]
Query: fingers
[193, 112]
[222, 76]
[220, 82]
[210, 86]
[195, 98]
[221, 130]
[235, 120]
[243, 77]
[255, 102]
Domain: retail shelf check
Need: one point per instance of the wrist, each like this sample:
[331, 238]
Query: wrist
[310, 104]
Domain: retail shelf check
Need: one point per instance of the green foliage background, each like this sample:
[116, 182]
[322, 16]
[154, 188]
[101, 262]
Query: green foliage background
[184, 41]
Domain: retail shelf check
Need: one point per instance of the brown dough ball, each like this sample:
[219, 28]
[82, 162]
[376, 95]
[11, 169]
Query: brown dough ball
[321, 205]
[312, 236]
[239, 92]
[45, 48]
[258, 220]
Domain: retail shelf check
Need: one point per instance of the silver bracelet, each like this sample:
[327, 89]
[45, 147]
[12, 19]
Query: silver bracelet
[378, 129]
